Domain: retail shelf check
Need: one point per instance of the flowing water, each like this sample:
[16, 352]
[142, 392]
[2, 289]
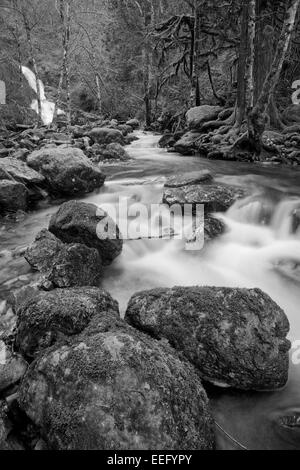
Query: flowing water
[261, 248]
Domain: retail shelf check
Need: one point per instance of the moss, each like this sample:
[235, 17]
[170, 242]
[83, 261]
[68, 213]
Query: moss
[123, 390]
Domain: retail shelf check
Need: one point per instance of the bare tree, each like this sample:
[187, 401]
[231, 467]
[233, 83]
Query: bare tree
[65, 16]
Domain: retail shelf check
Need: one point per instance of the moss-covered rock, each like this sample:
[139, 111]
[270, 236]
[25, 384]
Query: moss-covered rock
[66, 169]
[79, 222]
[106, 135]
[214, 197]
[65, 265]
[13, 196]
[46, 316]
[114, 388]
[235, 337]
[186, 179]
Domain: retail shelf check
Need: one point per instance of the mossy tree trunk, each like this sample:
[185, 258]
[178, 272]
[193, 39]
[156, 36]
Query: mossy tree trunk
[258, 116]
[196, 50]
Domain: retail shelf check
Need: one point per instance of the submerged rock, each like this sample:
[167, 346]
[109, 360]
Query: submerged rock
[106, 135]
[79, 222]
[65, 265]
[13, 196]
[186, 179]
[114, 388]
[235, 337]
[67, 170]
[215, 197]
[45, 317]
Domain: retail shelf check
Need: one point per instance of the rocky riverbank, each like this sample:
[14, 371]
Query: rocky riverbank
[207, 125]
[40, 163]
[75, 375]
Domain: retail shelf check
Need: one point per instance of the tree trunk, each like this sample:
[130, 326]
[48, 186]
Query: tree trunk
[241, 84]
[251, 56]
[257, 118]
[67, 74]
[65, 15]
[35, 67]
[195, 90]
[148, 19]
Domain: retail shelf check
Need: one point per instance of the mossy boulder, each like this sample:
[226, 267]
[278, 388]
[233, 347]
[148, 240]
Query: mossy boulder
[197, 116]
[79, 222]
[48, 316]
[64, 265]
[235, 337]
[19, 171]
[214, 197]
[13, 196]
[114, 388]
[186, 179]
[66, 169]
[106, 136]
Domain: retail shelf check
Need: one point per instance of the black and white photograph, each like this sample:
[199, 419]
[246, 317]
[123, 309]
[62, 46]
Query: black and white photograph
[149, 228]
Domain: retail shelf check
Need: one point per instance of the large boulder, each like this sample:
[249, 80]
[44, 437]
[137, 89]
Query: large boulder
[105, 136]
[20, 172]
[13, 196]
[79, 222]
[235, 337]
[114, 388]
[186, 145]
[215, 197]
[115, 151]
[134, 123]
[64, 265]
[46, 316]
[197, 116]
[67, 170]
[12, 367]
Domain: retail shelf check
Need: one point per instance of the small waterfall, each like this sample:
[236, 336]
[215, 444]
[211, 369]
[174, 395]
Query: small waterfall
[283, 217]
[47, 106]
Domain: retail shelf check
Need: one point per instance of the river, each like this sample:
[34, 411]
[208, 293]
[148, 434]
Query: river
[261, 248]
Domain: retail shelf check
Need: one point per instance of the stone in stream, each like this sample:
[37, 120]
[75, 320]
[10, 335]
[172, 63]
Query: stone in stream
[47, 316]
[235, 337]
[194, 177]
[13, 196]
[64, 265]
[112, 387]
[105, 136]
[215, 197]
[67, 170]
[79, 222]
